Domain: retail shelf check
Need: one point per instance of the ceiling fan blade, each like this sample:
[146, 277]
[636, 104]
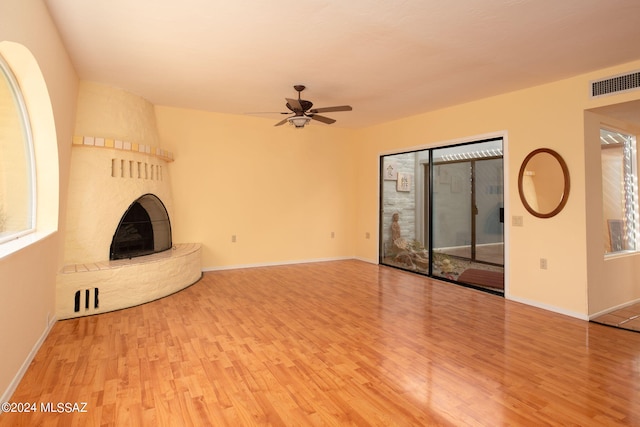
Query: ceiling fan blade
[322, 119]
[268, 112]
[294, 104]
[330, 109]
[281, 122]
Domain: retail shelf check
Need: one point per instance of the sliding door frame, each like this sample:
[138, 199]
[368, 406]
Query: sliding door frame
[424, 174]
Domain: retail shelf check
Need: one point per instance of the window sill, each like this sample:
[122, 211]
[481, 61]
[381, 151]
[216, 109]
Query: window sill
[620, 254]
[15, 245]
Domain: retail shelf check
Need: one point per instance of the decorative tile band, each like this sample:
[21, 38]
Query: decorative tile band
[94, 141]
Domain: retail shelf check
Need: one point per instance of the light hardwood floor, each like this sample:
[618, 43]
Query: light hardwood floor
[334, 343]
[625, 318]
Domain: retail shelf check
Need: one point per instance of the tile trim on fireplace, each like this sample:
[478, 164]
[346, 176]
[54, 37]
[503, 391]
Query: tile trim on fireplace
[100, 142]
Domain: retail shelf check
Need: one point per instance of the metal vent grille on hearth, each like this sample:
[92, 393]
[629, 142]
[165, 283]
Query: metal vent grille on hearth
[615, 84]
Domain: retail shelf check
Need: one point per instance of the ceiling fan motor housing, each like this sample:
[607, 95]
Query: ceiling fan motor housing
[306, 105]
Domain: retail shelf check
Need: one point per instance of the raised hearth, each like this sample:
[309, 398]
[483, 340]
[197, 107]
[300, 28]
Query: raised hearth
[98, 287]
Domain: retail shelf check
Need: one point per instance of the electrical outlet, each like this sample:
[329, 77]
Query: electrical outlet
[233, 238]
[367, 235]
[543, 263]
[333, 234]
[517, 220]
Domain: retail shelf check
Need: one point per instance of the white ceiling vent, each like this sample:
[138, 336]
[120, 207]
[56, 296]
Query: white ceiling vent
[615, 84]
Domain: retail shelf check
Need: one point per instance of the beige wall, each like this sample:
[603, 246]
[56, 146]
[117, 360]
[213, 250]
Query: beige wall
[280, 191]
[545, 116]
[28, 277]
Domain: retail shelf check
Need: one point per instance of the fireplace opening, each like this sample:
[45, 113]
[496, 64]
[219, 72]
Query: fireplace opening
[144, 229]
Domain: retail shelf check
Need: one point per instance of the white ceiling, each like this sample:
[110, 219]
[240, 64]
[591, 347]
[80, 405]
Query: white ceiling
[387, 58]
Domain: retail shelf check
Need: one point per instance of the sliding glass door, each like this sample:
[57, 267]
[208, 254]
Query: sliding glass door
[489, 218]
[442, 213]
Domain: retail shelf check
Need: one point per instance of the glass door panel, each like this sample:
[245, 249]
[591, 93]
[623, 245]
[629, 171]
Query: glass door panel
[451, 216]
[401, 243]
[489, 229]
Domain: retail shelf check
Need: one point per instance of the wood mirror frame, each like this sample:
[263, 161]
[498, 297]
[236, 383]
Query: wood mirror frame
[562, 198]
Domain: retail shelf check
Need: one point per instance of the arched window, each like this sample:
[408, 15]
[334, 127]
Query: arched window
[29, 171]
[17, 181]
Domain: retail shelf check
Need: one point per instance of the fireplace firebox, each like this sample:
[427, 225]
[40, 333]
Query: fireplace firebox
[144, 229]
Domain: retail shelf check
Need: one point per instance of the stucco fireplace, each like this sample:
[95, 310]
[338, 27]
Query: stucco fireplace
[119, 249]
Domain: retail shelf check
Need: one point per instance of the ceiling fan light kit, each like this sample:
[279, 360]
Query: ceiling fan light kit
[303, 113]
[298, 121]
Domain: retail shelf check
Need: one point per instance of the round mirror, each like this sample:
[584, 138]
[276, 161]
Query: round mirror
[543, 183]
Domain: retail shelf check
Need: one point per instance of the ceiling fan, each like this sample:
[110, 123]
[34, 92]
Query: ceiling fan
[303, 113]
